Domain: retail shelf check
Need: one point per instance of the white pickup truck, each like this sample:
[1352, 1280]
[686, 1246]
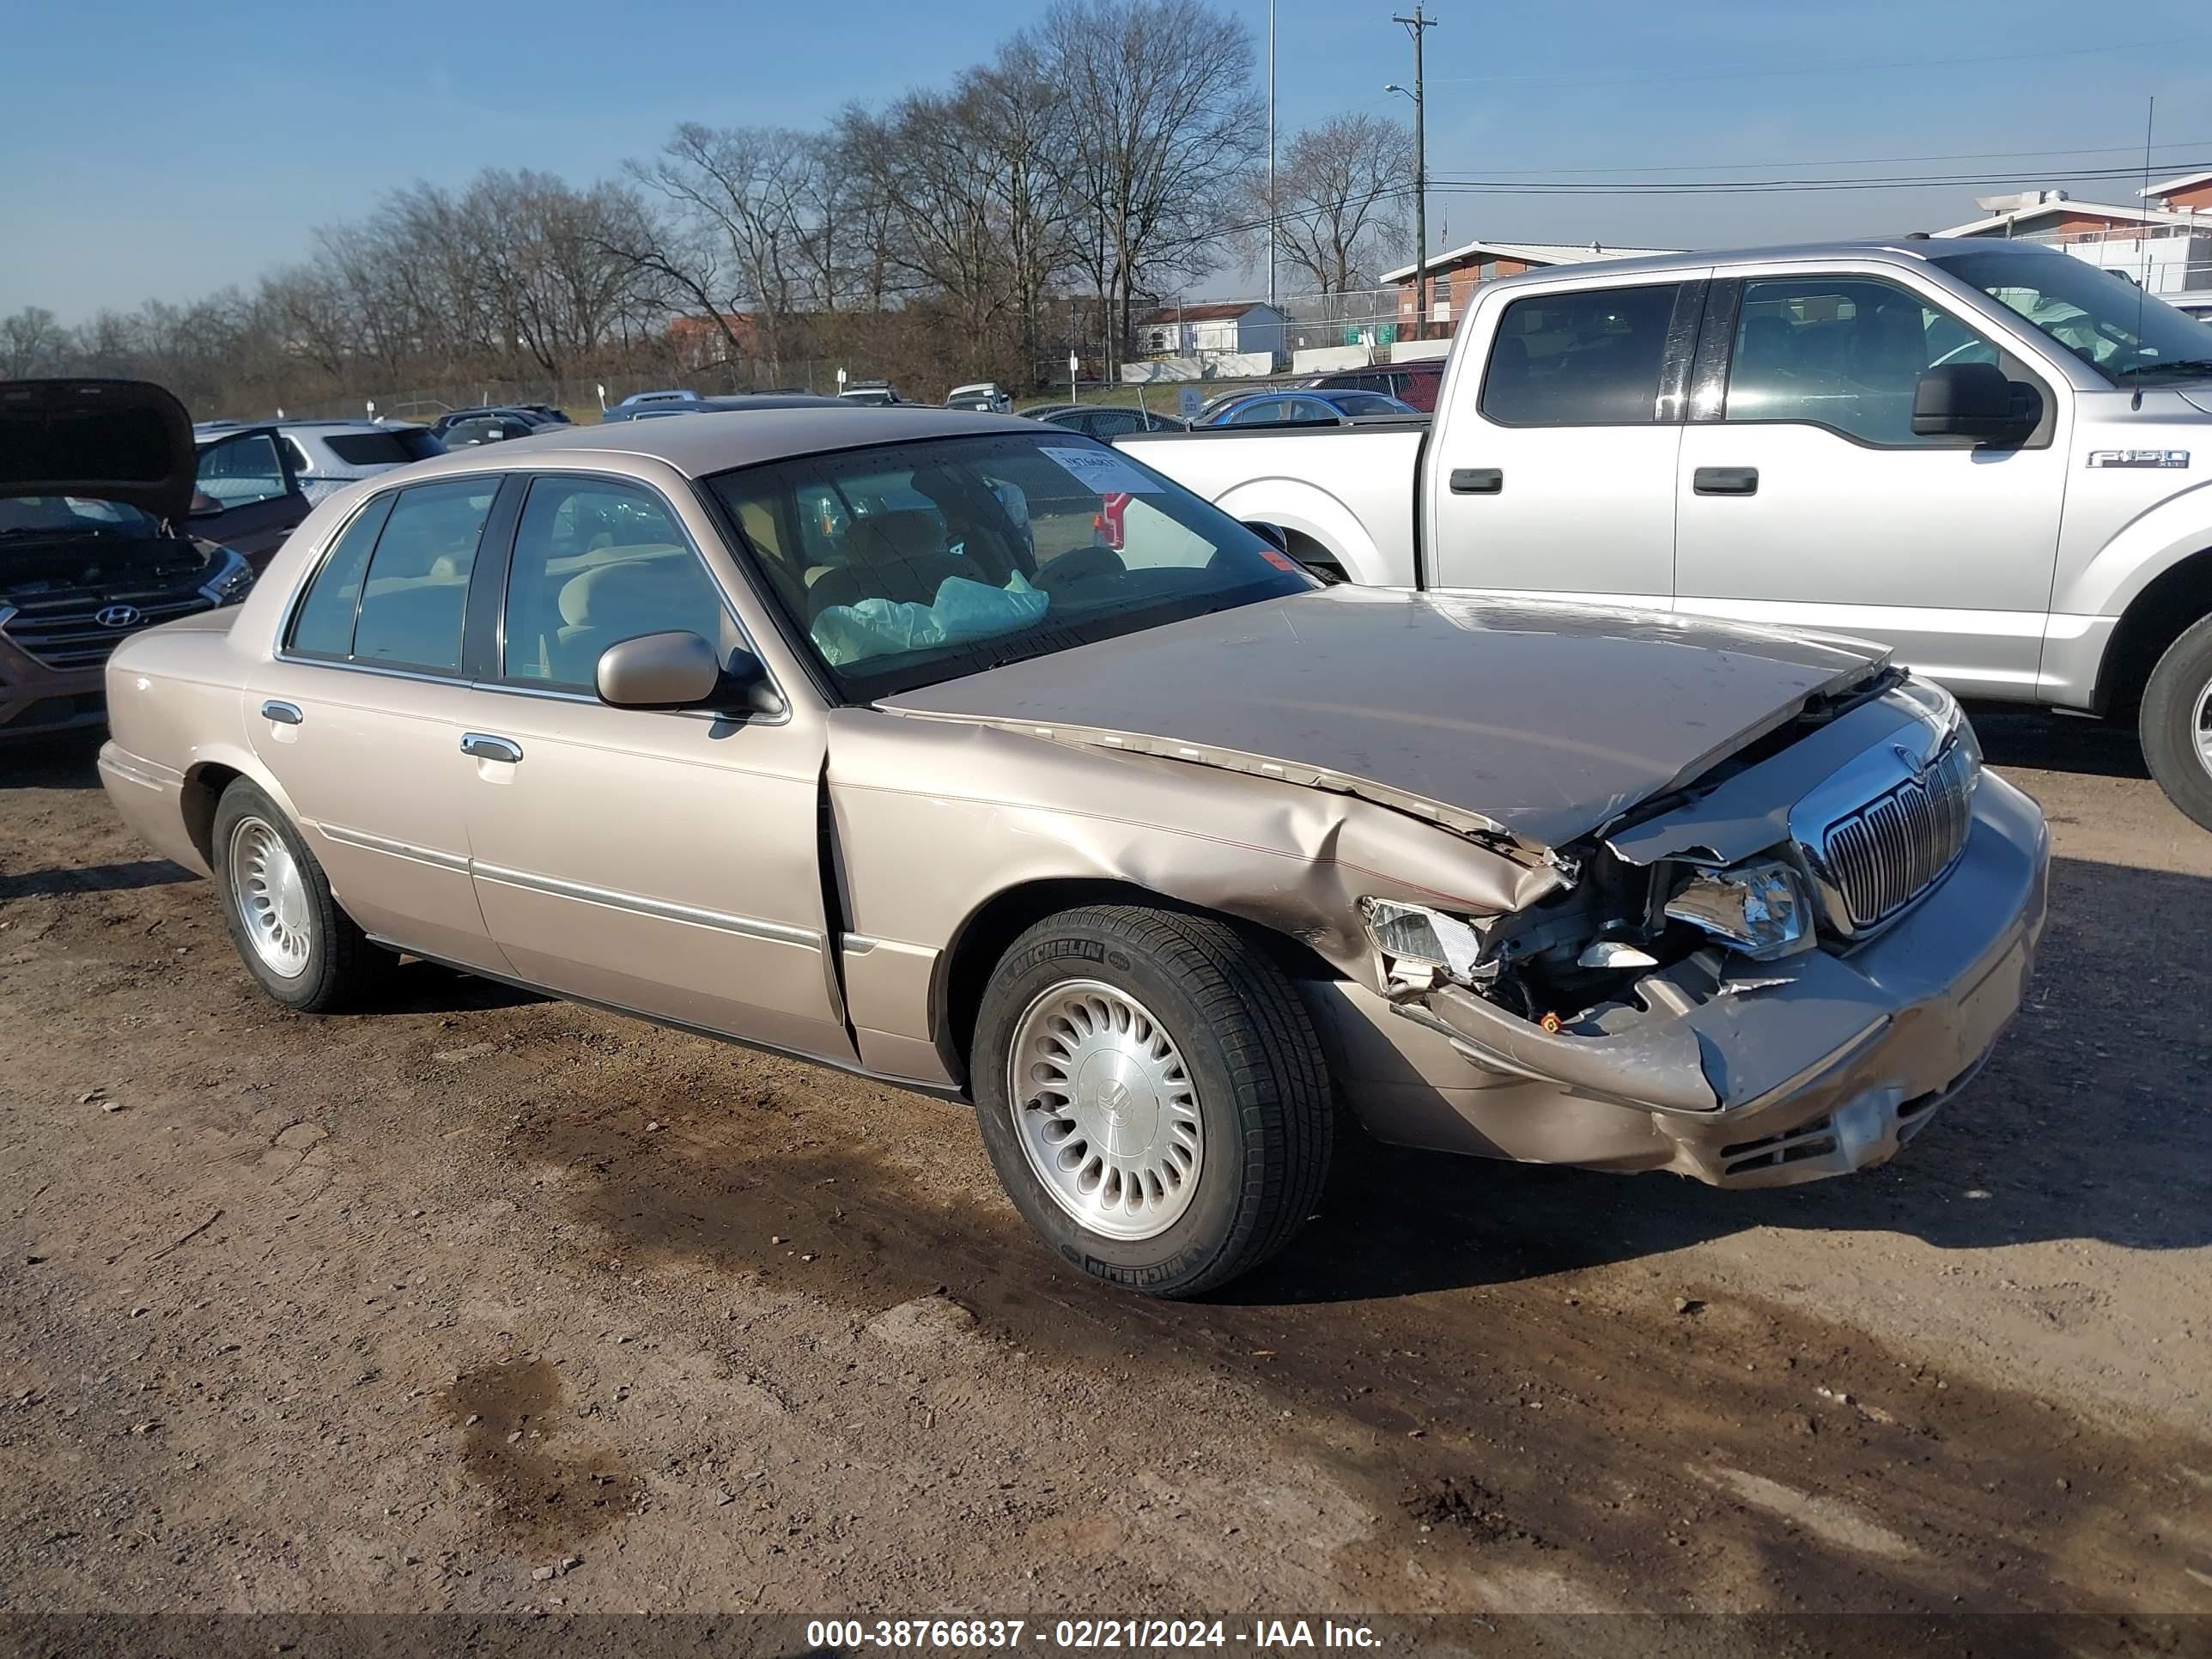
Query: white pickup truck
[1980, 453]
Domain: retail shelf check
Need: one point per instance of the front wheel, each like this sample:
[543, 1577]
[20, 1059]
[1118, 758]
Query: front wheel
[1152, 1095]
[2177, 722]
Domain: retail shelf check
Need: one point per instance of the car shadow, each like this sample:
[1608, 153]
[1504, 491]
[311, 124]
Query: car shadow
[66, 759]
[2013, 735]
[2093, 1120]
[92, 878]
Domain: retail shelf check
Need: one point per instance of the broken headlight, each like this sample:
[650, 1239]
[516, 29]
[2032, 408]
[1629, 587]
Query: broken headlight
[1762, 909]
[1414, 934]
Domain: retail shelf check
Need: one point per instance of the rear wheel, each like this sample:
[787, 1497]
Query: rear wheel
[2176, 722]
[278, 903]
[1152, 1095]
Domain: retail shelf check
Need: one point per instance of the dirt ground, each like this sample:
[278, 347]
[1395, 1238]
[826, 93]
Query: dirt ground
[490, 1303]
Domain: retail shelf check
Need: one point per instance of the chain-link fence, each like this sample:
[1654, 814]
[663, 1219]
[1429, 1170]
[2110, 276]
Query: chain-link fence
[1357, 317]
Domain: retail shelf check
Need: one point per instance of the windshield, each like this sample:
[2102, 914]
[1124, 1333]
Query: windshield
[2102, 318]
[910, 564]
[26, 516]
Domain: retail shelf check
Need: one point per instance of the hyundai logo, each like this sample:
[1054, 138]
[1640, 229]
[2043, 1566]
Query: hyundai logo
[116, 616]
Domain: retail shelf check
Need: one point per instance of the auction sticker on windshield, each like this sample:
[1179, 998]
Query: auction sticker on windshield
[1103, 470]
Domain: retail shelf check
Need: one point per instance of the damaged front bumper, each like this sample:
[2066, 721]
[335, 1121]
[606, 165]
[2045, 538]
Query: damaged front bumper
[1811, 1066]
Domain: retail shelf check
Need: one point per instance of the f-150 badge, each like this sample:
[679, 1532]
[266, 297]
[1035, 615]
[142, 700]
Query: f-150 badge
[2139, 458]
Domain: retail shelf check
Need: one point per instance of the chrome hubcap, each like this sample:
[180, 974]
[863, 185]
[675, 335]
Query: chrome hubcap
[271, 897]
[2201, 728]
[1105, 1110]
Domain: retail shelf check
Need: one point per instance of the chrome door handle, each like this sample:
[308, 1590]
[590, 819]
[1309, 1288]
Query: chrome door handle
[284, 714]
[485, 747]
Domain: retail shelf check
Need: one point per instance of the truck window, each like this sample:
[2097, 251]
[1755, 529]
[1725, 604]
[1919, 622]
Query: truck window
[1580, 359]
[1842, 352]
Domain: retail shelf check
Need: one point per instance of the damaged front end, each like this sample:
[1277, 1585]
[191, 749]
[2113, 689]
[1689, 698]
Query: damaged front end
[1771, 975]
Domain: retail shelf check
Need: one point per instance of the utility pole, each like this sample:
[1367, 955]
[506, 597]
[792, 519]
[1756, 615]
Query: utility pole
[1271, 152]
[1417, 26]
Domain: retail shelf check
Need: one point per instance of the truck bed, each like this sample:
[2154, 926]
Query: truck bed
[1347, 490]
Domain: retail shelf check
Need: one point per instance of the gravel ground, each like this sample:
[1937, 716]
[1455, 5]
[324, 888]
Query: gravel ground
[492, 1304]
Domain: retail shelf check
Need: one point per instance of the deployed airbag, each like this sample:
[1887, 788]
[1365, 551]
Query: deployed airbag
[964, 610]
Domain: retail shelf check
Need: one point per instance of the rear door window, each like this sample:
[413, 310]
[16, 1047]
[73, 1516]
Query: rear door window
[1580, 359]
[402, 605]
[242, 470]
[382, 448]
[323, 626]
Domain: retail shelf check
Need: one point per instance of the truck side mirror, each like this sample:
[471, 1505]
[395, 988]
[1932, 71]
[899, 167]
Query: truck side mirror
[1973, 400]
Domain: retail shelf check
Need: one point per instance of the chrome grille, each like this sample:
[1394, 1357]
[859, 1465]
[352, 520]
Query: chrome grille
[67, 634]
[1884, 855]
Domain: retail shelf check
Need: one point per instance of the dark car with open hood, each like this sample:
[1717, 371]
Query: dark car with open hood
[105, 531]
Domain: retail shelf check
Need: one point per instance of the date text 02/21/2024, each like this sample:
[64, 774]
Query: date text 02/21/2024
[1087, 1634]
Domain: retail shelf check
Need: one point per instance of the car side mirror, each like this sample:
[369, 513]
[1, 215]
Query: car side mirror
[1973, 400]
[1273, 534]
[204, 506]
[679, 670]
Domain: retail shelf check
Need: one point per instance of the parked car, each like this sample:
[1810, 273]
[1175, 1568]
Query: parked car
[105, 532]
[1289, 407]
[872, 392]
[1980, 452]
[488, 429]
[1415, 383]
[532, 415]
[1103, 420]
[248, 472]
[326, 456]
[847, 737]
[638, 400]
[753, 400]
[987, 396]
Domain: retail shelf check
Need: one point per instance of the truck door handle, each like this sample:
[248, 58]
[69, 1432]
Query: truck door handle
[1477, 480]
[482, 746]
[284, 714]
[1725, 481]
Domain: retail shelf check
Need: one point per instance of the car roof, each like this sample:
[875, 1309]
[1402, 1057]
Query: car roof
[707, 443]
[313, 426]
[1899, 251]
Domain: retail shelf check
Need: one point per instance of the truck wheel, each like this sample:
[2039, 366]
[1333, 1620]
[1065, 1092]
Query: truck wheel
[1152, 1095]
[277, 901]
[2177, 722]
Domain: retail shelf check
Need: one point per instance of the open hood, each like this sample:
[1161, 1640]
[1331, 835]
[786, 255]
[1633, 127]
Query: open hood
[110, 441]
[1540, 722]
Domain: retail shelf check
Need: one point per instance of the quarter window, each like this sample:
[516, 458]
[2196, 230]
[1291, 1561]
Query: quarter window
[596, 564]
[1591, 358]
[1843, 352]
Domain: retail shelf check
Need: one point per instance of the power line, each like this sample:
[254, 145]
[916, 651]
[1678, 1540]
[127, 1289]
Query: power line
[1871, 161]
[1584, 79]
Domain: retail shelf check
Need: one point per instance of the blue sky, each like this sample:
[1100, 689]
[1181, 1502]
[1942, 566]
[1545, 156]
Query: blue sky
[161, 150]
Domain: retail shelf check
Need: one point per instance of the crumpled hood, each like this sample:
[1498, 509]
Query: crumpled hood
[109, 441]
[1542, 721]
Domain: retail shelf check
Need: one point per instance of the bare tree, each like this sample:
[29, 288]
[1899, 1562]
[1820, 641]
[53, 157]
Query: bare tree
[1165, 130]
[739, 200]
[1340, 197]
[32, 342]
